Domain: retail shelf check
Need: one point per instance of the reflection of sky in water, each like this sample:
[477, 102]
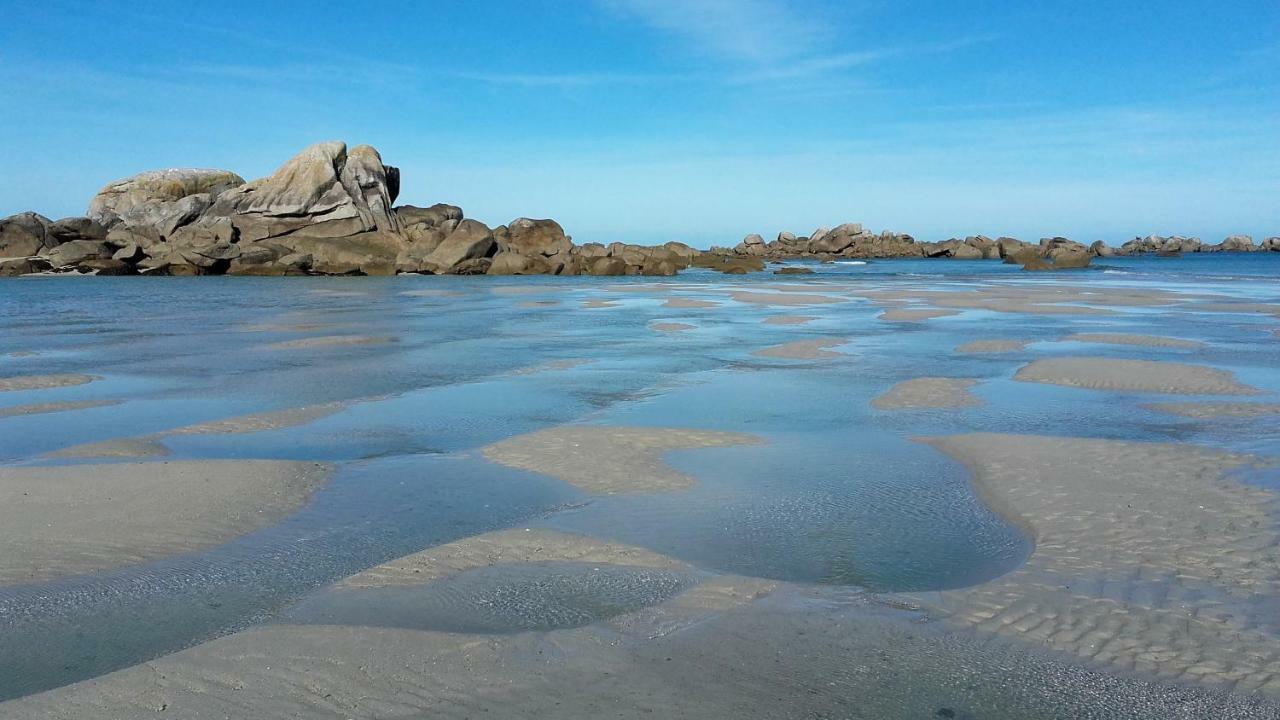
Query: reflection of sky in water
[839, 494]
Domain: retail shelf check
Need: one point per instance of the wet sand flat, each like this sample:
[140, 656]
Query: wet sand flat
[788, 319]
[992, 346]
[927, 393]
[914, 314]
[259, 422]
[1129, 339]
[117, 448]
[43, 382]
[671, 327]
[330, 341]
[783, 299]
[689, 303]
[54, 407]
[609, 459]
[1133, 376]
[68, 520]
[1147, 557]
[815, 349]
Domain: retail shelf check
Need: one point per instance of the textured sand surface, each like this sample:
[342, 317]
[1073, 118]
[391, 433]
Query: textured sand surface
[594, 304]
[69, 520]
[928, 392]
[1140, 340]
[804, 349]
[609, 459]
[503, 547]
[43, 382]
[1216, 409]
[689, 303]
[914, 314]
[788, 319]
[1133, 376]
[1147, 558]
[258, 422]
[53, 407]
[330, 341]
[783, 299]
[670, 327]
[992, 346]
[119, 448]
[549, 366]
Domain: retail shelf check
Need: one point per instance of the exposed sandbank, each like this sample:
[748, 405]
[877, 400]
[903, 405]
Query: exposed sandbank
[777, 299]
[43, 382]
[689, 303]
[992, 346]
[609, 459]
[502, 547]
[928, 392]
[670, 327]
[53, 407]
[330, 341]
[1147, 558]
[593, 304]
[788, 319]
[1133, 376]
[75, 519]
[914, 314]
[1140, 340]
[115, 448]
[804, 349]
[258, 422]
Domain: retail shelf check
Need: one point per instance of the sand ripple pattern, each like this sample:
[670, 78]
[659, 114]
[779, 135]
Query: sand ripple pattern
[1133, 376]
[1147, 558]
[609, 459]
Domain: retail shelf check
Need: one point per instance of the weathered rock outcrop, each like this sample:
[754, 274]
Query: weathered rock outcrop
[331, 210]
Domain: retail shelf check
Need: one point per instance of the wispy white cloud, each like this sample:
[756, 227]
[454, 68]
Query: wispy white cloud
[753, 31]
[566, 80]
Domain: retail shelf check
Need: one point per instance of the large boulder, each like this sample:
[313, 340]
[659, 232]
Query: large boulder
[533, 237]
[1237, 243]
[1100, 249]
[514, 263]
[469, 241]
[25, 235]
[146, 198]
[323, 189]
[71, 254]
[836, 239]
[371, 253]
[77, 228]
[1272, 244]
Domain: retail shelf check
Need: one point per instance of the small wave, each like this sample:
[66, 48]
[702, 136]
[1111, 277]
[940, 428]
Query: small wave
[851, 262]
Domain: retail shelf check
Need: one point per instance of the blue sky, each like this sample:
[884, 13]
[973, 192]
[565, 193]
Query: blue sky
[652, 120]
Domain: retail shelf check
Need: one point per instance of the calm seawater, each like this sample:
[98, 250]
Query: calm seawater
[840, 495]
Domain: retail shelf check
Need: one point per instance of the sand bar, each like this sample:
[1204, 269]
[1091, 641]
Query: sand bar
[815, 349]
[1133, 376]
[992, 346]
[788, 319]
[783, 299]
[1157, 341]
[928, 393]
[75, 519]
[258, 422]
[53, 407]
[330, 341]
[914, 314]
[43, 382]
[609, 459]
[670, 327]
[1147, 557]
[689, 303]
[140, 447]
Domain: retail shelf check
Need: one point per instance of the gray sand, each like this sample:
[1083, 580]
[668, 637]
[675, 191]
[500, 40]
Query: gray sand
[992, 346]
[1133, 376]
[689, 303]
[43, 382]
[1207, 410]
[53, 407]
[117, 448]
[914, 314]
[670, 327]
[75, 519]
[1139, 340]
[783, 299]
[330, 341]
[804, 349]
[927, 393]
[609, 459]
[1147, 557]
[788, 319]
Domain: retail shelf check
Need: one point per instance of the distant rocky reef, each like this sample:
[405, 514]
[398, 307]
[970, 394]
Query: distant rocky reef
[331, 210]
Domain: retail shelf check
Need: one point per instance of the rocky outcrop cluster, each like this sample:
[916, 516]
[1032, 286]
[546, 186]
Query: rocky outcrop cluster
[331, 210]
[850, 240]
[328, 210]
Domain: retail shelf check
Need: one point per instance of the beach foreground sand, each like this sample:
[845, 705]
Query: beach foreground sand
[74, 519]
